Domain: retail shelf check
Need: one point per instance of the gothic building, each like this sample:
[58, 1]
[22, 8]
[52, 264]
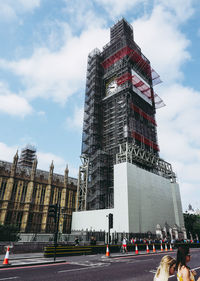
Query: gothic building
[26, 193]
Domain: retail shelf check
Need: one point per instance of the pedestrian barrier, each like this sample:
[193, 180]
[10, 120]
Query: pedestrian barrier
[6, 259]
[107, 251]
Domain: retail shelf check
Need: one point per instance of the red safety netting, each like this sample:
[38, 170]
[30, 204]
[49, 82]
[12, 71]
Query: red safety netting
[142, 113]
[140, 61]
[146, 141]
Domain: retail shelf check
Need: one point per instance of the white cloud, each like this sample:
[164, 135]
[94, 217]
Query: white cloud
[44, 160]
[178, 137]
[57, 75]
[76, 121]
[7, 152]
[181, 12]
[162, 43]
[13, 104]
[11, 9]
[117, 7]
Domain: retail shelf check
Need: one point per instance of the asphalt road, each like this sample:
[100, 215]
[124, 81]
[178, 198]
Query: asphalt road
[98, 268]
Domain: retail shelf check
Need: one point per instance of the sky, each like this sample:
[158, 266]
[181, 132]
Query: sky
[43, 61]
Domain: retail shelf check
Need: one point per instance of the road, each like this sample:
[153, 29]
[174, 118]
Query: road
[98, 268]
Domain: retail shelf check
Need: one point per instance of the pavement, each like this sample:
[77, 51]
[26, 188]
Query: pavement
[28, 259]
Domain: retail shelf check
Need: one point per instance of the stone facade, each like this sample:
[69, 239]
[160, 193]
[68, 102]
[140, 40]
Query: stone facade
[26, 193]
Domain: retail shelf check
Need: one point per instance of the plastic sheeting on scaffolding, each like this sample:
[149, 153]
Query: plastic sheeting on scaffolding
[141, 86]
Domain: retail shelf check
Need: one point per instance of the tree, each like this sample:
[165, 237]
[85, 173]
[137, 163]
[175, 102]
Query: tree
[9, 233]
[192, 224]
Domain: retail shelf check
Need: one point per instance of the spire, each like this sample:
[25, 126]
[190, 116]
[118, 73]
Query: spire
[14, 164]
[33, 170]
[51, 172]
[66, 175]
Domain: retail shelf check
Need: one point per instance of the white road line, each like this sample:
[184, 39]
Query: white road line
[9, 278]
[78, 269]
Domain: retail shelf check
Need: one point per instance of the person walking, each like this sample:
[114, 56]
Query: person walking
[124, 245]
[183, 270]
[165, 269]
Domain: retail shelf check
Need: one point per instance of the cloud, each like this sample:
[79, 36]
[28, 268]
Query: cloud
[11, 9]
[178, 137]
[44, 159]
[117, 7]
[7, 152]
[180, 11]
[57, 75]
[76, 121]
[163, 43]
[13, 104]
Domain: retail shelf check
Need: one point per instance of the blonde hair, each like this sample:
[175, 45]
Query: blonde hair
[162, 272]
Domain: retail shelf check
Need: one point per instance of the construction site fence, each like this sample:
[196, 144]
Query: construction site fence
[63, 251]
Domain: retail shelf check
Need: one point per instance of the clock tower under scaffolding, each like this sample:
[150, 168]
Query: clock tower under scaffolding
[119, 118]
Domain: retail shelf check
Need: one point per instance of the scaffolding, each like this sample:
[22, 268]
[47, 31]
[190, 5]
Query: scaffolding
[120, 105]
[28, 155]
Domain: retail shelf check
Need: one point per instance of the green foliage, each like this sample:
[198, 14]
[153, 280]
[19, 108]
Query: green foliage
[9, 233]
[192, 224]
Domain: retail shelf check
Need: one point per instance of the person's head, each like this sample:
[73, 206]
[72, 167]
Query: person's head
[183, 255]
[166, 268]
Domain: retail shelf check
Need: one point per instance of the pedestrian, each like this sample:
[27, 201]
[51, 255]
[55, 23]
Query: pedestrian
[76, 241]
[124, 245]
[183, 270]
[165, 269]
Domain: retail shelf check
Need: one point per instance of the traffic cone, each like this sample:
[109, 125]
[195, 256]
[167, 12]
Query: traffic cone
[107, 251]
[6, 259]
[170, 247]
[147, 250]
[166, 247]
[161, 247]
[154, 250]
[136, 249]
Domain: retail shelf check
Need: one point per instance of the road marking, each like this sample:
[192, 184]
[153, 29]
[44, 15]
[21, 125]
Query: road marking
[88, 264]
[9, 278]
[32, 266]
[85, 268]
[196, 268]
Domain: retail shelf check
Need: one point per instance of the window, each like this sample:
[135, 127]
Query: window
[2, 188]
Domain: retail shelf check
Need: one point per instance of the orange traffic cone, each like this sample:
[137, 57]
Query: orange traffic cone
[147, 250]
[6, 259]
[136, 249]
[154, 250]
[170, 247]
[166, 248]
[161, 247]
[107, 251]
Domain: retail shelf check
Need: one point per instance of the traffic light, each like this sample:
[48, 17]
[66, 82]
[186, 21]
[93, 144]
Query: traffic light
[110, 217]
[52, 212]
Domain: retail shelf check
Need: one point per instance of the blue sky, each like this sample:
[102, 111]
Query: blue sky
[43, 60]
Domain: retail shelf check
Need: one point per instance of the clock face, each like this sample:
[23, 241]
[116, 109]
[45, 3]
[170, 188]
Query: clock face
[111, 87]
